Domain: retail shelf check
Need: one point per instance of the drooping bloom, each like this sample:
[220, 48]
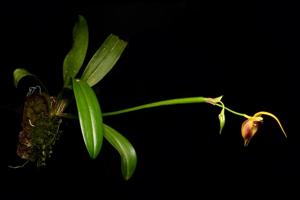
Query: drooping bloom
[250, 126]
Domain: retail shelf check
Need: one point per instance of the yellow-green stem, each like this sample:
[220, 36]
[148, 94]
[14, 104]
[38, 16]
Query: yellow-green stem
[233, 112]
[161, 103]
[174, 102]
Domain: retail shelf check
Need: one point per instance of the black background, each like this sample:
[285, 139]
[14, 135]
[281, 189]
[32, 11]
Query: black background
[248, 52]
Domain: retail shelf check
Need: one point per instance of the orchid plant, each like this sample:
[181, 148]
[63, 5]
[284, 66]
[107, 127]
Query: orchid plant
[43, 114]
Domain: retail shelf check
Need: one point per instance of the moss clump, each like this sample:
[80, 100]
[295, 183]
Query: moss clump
[40, 129]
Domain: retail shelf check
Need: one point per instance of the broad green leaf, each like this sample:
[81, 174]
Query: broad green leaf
[75, 58]
[90, 116]
[20, 73]
[103, 60]
[125, 149]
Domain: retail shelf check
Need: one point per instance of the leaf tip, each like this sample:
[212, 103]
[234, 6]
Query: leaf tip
[18, 74]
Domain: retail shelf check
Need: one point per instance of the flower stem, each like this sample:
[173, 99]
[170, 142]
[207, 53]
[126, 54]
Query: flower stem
[233, 112]
[174, 102]
[160, 103]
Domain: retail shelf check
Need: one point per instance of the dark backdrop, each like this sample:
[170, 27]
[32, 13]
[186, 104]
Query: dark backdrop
[246, 52]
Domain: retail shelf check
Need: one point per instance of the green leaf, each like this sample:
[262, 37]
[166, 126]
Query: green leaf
[90, 117]
[75, 58]
[103, 60]
[125, 149]
[20, 73]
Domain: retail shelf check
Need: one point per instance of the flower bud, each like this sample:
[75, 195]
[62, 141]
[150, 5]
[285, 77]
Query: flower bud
[222, 118]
